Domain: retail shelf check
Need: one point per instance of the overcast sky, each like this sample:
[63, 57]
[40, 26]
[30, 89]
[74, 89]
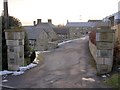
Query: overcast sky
[60, 10]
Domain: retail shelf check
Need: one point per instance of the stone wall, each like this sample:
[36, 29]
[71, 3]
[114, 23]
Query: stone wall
[52, 45]
[15, 48]
[104, 65]
[0, 43]
[102, 51]
[75, 33]
[117, 32]
[117, 44]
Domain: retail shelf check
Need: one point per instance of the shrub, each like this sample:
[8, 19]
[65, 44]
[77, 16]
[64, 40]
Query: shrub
[113, 81]
[117, 54]
[92, 37]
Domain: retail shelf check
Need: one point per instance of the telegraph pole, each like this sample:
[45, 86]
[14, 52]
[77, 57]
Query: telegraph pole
[6, 16]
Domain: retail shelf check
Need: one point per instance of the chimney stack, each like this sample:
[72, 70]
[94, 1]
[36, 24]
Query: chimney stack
[49, 21]
[34, 23]
[38, 21]
[6, 16]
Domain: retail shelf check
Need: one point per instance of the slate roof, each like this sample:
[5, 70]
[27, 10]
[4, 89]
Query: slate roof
[33, 32]
[61, 30]
[116, 15]
[80, 24]
[94, 20]
[47, 27]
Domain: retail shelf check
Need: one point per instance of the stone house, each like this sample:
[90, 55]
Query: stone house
[41, 35]
[115, 24]
[114, 20]
[34, 36]
[31, 34]
[62, 33]
[48, 28]
[78, 29]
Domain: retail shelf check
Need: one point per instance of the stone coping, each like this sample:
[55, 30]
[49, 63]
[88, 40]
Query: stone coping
[106, 30]
[14, 30]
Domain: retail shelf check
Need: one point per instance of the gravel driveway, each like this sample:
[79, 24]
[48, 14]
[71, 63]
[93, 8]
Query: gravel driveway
[69, 66]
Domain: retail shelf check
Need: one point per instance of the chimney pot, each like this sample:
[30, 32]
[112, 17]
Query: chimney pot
[34, 23]
[49, 21]
[38, 21]
[5, 0]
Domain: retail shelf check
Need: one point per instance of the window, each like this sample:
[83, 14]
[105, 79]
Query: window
[20, 42]
[20, 54]
[11, 49]
[12, 61]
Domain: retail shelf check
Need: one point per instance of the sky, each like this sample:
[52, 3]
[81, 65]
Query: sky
[60, 11]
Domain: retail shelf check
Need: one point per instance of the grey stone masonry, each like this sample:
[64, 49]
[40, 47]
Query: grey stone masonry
[15, 48]
[103, 50]
[105, 40]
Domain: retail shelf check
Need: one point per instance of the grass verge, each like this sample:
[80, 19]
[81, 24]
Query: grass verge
[113, 81]
[26, 61]
[0, 67]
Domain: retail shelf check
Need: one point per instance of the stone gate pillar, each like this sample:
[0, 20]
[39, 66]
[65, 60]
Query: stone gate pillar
[15, 48]
[105, 40]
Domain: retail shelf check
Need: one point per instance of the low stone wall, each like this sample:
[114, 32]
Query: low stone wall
[93, 50]
[52, 45]
[104, 65]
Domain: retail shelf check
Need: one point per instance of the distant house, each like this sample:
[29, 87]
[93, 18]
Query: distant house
[62, 33]
[48, 28]
[34, 35]
[77, 29]
[41, 35]
[114, 20]
[31, 34]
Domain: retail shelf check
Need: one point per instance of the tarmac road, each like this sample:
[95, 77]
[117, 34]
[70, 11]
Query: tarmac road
[69, 66]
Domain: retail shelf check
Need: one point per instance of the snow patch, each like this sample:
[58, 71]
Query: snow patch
[22, 70]
[3, 81]
[18, 73]
[104, 76]
[5, 72]
[83, 38]
[64, 42]
[38, 52]
[89, 79]
[108, 75]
